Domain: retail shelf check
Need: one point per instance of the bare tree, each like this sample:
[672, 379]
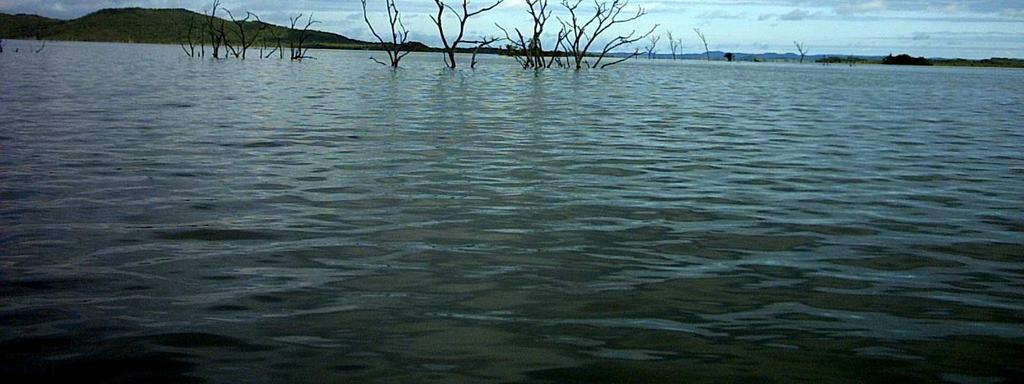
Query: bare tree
[399, 35]
[462, 15]
[652, 44]
[245, 39]
[707, 52]
[529, 50]
[298, 51]
[191, 36]
[674, 44]
[484, 41]
[581, 33]
[215, 30]
[278, 44]
[803, 51]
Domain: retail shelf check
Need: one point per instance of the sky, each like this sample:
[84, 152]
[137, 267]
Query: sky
[965, 28]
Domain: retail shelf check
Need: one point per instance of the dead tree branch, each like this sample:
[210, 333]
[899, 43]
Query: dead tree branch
[674, 45]
[190, 38]
[803, 51]
[462, 15]
[399, 35]
[278, 48]
[298, 51]
[582, 34]
[528, 50]
[707, 52]
[245, 39]
[652, 45]
[484, 41]
[218, 36]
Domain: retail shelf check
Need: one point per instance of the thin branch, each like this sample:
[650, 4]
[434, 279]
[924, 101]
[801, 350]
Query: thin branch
[581, 34]
[462, 16]
[483, 42]
[399, 34]
[652, 45]
[707, 52]
[297, 47]
[803, 51]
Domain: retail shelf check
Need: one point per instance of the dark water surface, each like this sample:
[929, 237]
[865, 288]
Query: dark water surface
[166, 219]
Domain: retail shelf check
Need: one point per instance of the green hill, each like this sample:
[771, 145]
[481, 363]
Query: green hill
[21, 25]
[158, 26]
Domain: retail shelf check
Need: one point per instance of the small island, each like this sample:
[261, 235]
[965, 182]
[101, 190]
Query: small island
[905, 59]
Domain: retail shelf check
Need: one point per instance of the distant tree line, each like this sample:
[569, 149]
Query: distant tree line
[905, 59]
[902, 59]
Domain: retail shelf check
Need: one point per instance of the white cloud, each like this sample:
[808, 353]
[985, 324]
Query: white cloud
[871, 6]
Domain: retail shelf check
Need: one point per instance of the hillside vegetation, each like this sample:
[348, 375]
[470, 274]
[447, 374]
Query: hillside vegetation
[159, 26]
[24, 26]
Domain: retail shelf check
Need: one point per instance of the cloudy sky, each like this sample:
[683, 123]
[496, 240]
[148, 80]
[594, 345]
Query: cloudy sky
[965, 28]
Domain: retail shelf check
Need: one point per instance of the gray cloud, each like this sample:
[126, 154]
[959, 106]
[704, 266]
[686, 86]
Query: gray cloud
[796, 14]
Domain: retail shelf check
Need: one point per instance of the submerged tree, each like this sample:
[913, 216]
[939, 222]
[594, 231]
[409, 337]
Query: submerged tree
[674, 44]
[216, 31]
[297, 43]
[803, 52]
[462, 15]
[245, 39]
[528, 50]
[33, 48]
[707, 51]
[399, 35]
[277, 42]
[1, 45]
[485, 41]
[583, 33]
[652, 44]
[192, 37]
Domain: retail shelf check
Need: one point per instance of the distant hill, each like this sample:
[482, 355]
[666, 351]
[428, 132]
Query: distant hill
[21, 25]
[838, 58]
[143, 25]
[764, 57]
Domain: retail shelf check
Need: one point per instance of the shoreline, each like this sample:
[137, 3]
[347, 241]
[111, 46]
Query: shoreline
[936, 62]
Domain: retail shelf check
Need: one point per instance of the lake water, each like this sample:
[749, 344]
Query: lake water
[167, 219]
